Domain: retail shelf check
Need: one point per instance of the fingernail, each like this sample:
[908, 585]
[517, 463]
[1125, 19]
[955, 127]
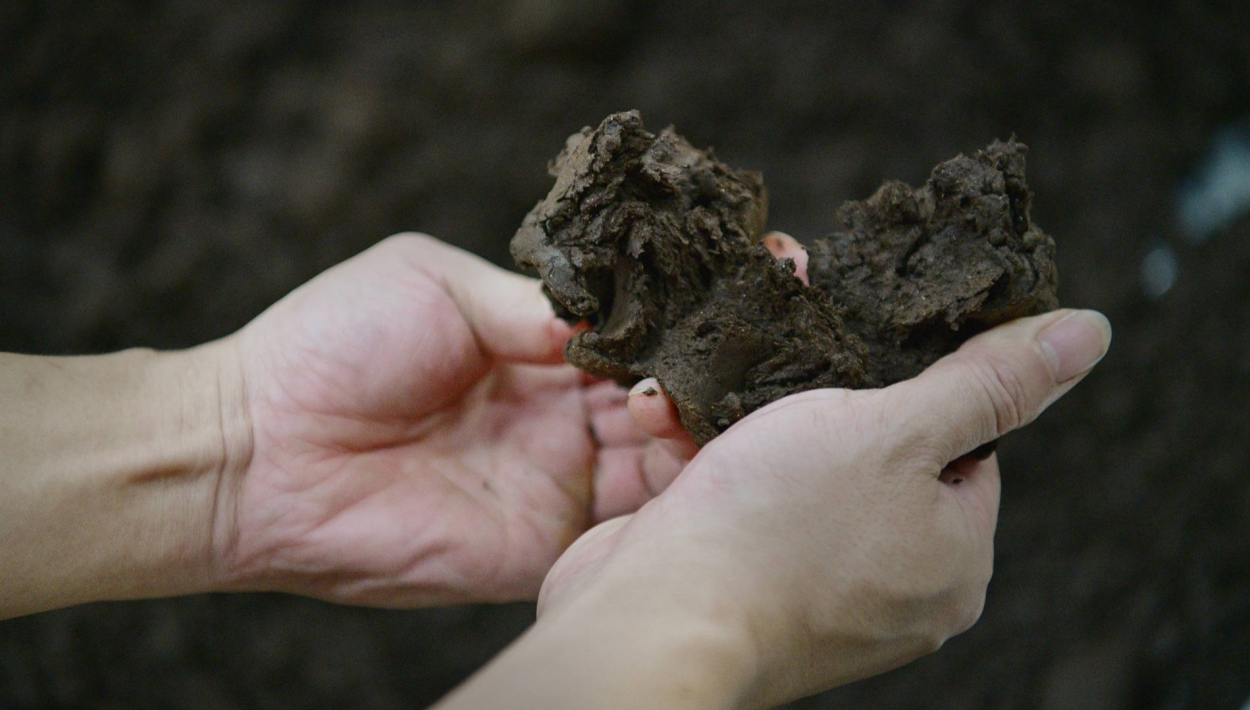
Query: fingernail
[646, 388]
[1075, 343]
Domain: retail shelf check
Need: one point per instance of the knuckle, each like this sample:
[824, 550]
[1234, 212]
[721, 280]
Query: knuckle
[416, 244]
[965, 599]
[954, 614]
[411, 238]
[924, 643]
[934, 642]
[967, 609]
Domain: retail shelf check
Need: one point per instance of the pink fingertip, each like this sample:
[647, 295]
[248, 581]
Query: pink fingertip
[800, 266]
[784, 246]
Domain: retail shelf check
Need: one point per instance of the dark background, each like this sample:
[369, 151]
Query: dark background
[169, 169]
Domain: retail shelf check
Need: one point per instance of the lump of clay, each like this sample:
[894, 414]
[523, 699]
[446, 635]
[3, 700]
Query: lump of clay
[657, 246]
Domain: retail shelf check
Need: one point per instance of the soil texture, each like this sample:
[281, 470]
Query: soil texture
[656, 245]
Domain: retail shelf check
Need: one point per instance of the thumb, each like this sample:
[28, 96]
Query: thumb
[998, 381]
[508, 313]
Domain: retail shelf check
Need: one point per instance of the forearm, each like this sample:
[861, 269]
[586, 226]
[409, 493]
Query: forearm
[109, 471]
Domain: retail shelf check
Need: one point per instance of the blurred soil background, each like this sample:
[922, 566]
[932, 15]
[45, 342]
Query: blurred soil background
[168, 169]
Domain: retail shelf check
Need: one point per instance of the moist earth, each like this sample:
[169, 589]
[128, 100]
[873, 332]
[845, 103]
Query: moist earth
[657, 246]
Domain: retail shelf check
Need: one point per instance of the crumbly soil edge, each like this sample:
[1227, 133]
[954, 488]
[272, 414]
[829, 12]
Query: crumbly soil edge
[656, 245]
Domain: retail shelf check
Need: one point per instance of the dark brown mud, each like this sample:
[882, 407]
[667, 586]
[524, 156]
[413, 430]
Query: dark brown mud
[657, 245]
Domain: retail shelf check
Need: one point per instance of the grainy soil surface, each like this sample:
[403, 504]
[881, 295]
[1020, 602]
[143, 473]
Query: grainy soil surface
[657, 247]
[167, 170]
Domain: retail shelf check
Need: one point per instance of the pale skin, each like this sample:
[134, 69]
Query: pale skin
[400, 432]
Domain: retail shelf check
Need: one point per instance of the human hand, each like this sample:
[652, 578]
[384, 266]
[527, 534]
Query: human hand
[414, 439]
[829, 536]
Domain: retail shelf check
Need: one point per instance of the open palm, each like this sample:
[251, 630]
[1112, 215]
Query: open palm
[415, 440]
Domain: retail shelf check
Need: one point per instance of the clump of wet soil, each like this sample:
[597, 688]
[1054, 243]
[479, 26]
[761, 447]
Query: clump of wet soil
[657, 245]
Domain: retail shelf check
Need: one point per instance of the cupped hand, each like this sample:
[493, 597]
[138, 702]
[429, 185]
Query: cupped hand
[835, 533]
[415, 439]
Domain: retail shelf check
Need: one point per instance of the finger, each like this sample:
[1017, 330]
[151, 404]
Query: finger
[656, 415]
[997, 382]
[661, 466]
[603, 394]
[616, 427]
[784, 246]
[508, 313]
[635, 465]
[589, 379]
[627, 477]
[620, 486]
[610, 421]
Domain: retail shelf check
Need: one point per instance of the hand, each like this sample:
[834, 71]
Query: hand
[829, 536]
[414, 439]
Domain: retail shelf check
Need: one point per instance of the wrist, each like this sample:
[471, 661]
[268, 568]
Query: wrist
[114, 466]
[622, 647]
[684, 650]
[214, 453]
